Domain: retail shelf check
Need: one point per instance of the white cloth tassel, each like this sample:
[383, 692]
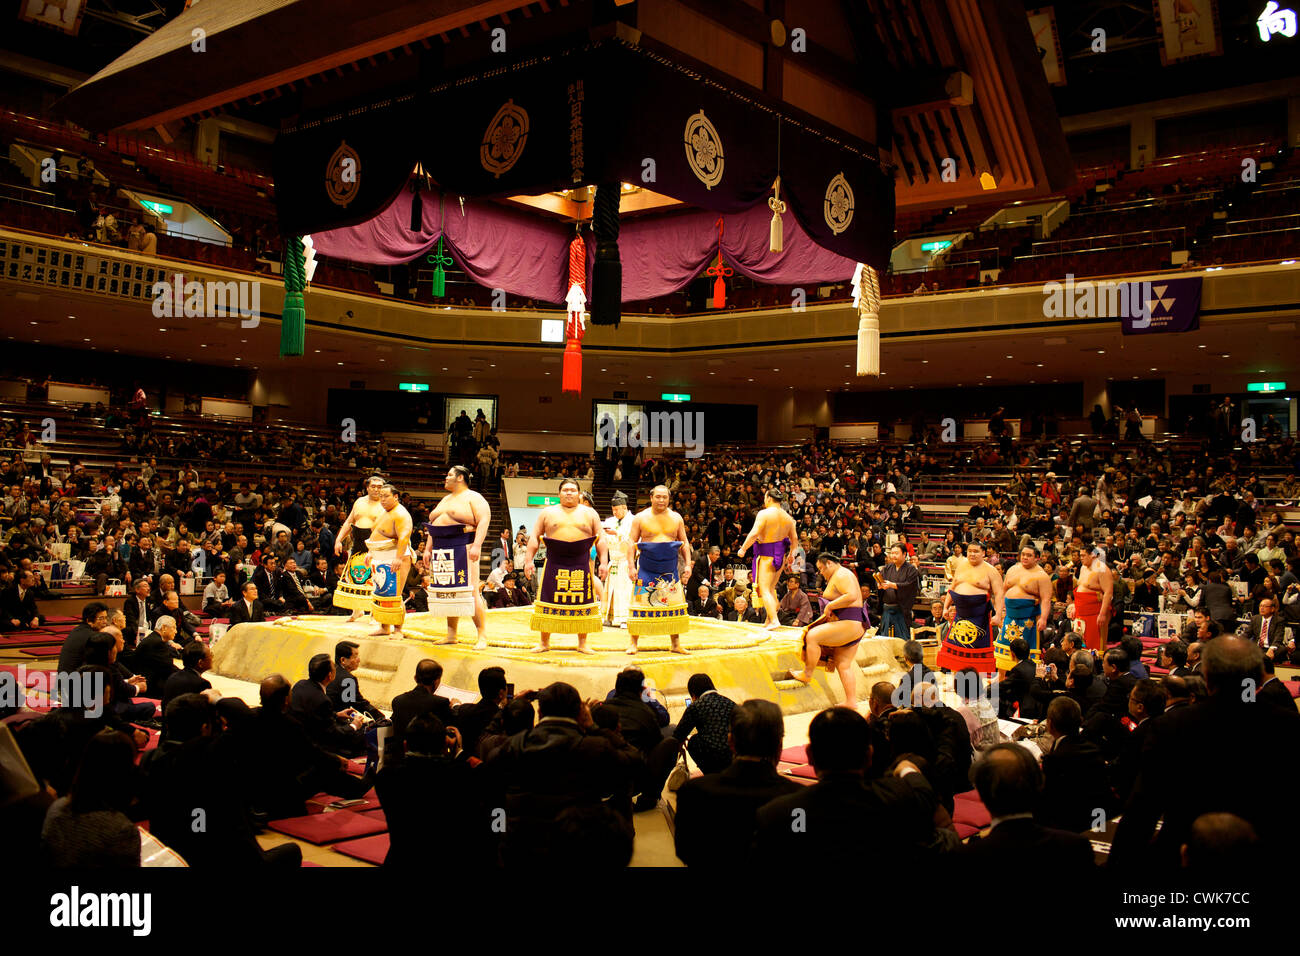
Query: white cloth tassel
[777, 238]
[867, 299]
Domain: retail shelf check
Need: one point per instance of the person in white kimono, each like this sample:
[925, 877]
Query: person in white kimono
[618, 587]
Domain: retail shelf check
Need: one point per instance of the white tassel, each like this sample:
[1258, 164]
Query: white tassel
[777, 237]
[866, 295]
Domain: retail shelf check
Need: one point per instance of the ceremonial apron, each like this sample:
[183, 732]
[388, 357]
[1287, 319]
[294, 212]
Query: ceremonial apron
[355, 591]
[658, 600]
[566, 602]
[618, 587]
[449, 590]
[1087, 605]
[387, 607]
[968, 642]
[1019, 620]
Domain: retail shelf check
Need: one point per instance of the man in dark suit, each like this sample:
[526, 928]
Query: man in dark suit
[511, 595]
[644, 728]
[1272, 633]
[707, 567]
[472, 720]
[1145, 701]
[702, 604]
[1009, 783]
[18, 611]
[1216, 756]
[845, 817]
[950, 773]
[248, 608]
[743, 613]
[140, 612]
[94, 618]
[280, 766]
[1074, 773]
[332, 730]
[154, 655]
[917, 673]
[420, 700]
[1102, 723]
[1013, 686]
[143, 563]
[171, 606]
[344, 691]
[196, 657]
[1273, 692]
[291, 590]
[716, 812]
[267, 579]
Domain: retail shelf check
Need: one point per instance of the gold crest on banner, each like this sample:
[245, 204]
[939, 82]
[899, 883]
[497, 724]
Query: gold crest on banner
[504, 141]
[704, 150]
[838, 206]
[343, 175]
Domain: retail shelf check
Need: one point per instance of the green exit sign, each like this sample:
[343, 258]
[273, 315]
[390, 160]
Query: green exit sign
[159, 207]
[413, 387]
[674, 397]
[937, 246]
[543, 501]
[1266, 387]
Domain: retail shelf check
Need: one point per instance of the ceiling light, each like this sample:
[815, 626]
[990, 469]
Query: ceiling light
[85, 340]
[1040, 364]
[1225, 355]
[925, 361]
[1156, 370]
[1010, 356]
[340, 363]
[444, 368]
[988, 376]
[202, 346]
[162, 330]
[1101, 351]
[33, 323]
[73, 316]
[1200, 346]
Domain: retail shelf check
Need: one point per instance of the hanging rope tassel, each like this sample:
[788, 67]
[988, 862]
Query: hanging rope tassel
[439, 261]
[575, 327]
[607, 275]
[293, 316]
[866, 296]
[720, 270]
[777, 242]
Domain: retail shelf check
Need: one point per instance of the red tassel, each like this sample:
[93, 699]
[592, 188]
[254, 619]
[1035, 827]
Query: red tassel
[721, 270]
[719, 293]
[571, 377]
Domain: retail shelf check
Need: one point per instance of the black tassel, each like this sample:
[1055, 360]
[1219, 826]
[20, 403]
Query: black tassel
[607, 275]
[417, 208]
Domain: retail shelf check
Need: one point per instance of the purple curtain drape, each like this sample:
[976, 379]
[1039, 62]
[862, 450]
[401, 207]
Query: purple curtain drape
[528, 257]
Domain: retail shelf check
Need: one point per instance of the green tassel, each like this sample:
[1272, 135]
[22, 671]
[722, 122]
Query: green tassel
[440, 261]
[293, 317]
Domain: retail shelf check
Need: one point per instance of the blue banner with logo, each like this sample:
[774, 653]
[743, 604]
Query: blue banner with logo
[1165, 305]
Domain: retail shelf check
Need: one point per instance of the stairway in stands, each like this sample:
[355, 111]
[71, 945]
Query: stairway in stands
[602, 491]
[494, 493]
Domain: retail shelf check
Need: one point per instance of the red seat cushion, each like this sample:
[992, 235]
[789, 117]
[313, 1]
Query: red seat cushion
[331, 827]
[371, 849]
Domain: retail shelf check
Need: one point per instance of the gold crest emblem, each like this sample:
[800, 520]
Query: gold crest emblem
[704, 150]
[965, 633]
[504, 141]
[838, 205]
[343, 175]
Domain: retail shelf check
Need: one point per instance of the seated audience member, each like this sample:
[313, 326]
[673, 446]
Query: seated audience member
[917, 672]
[216, 596]
[743, 613]
[196, 766]
[18, 610]
[1272, 632]
[714, 823]
[196, 659]
[1193, 759]
[269, 589]
[1014, 698]
[1145, 701]
[140, 613]
[293, 594]
[473, 720]
[89, 828]
[248, 608]
[846, 816]
[1010, 784]
[709, 715]
[338, 731]
[702, 604]
[1172, 655]
[94, 618]
[422, 789]
[646, 729]
[511, 595]
[104, 650]
[795, 610]
[420, 700]
[1220, 843]
[171, 607]
[1102, 723]
[343, 691]
[1133, 648]
[979, 713]
[155, 654]
[557, 764]
[1273, 691]
[949, 771]
[1074, 773]
[280, 766]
